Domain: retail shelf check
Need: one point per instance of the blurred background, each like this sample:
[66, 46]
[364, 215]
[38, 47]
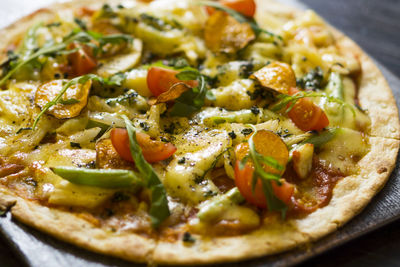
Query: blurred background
[375, 26]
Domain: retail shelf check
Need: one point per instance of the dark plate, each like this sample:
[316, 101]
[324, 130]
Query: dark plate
[38, 249]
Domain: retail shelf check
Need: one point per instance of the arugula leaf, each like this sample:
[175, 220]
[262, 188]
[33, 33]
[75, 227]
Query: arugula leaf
[159, 210]
[243, 162]
[239, 17]
[321, 138]
[188, 75]
[80, 23]
[192, 100]
[291, 100]
[217, 158]
[116, 79]
[29, 43]
[75, 36]
[78, 80]
[273, 203]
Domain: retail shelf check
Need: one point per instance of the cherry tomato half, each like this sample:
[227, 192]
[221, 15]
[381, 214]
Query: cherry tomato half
[268, 144]
[153, 151]
[307, 115]
[82, 61]
[160, 80]
[243, 181]
[245, 7]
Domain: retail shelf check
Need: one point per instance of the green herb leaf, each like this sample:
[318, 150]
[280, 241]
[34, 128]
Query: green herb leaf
[217, 158]
[50, 49]
[243, 162]
[29, 43]
[159, 210]
[81, 24]
[290, 100]
[191, 100]
[273, 203]
[270, 161]
[69, 101]
[116, 79]
[188, 75]
[23, 129]
[322, 137]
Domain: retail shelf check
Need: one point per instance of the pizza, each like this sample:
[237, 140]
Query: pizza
[189, 132]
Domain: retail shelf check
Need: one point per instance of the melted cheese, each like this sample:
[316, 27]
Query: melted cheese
[200, 149]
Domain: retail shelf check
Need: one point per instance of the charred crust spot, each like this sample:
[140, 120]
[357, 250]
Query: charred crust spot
[382, 170]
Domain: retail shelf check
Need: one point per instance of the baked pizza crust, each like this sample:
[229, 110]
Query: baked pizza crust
[350, 195]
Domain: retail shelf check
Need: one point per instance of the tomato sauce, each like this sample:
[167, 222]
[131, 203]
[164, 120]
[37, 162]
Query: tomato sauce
[322, 181]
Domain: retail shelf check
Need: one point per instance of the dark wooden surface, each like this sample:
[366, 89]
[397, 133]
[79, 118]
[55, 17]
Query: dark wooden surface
[375, 26]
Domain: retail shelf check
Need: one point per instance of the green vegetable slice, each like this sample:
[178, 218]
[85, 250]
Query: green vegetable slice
[214, 206]
[334, 88]
[105, 178]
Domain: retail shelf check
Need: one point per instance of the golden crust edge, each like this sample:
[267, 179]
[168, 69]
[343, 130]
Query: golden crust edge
[72, 229]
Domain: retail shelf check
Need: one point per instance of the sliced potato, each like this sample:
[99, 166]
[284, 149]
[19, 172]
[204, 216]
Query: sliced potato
[122, 62]
[224, 34]
[78, 92]
[68, 194]
[277, 76]
[302, 160]
[137, 79]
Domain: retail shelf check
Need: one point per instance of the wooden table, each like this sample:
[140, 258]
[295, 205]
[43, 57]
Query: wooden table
[375, 26]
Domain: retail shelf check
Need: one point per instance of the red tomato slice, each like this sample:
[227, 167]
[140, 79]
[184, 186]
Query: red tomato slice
[153, 151]
[268, 144]
[307, 115]
[243, 181]
[159, 80]
[245, 7]
[82, 61]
